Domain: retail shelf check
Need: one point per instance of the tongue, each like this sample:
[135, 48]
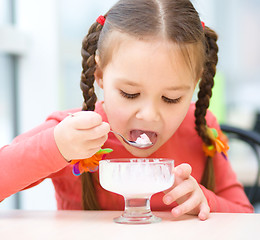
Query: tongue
[134, 134]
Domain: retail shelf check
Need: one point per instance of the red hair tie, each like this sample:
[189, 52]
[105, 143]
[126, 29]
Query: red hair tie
[203, 25]
[101, 20]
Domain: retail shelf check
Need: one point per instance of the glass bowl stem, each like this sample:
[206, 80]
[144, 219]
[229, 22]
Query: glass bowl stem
[137, 211]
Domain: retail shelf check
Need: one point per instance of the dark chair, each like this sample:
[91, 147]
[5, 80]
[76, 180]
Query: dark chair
[252, 139]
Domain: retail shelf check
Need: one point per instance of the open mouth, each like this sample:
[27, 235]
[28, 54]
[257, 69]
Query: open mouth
[134, 134]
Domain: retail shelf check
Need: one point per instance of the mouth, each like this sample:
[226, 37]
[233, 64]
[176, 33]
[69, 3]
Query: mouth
[134, 134]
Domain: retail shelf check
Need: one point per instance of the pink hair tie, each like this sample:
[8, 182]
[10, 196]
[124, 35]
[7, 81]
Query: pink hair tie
[203, 25]
[101, 20]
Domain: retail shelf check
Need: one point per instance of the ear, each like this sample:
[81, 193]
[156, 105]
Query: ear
[98, 73]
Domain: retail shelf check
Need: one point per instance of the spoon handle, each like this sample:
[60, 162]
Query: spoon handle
[125, 140]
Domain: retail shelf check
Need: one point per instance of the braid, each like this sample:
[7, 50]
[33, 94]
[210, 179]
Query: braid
[202, 104]
[88, 51]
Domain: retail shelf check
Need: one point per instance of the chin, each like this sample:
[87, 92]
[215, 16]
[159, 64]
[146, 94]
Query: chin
[140, 152]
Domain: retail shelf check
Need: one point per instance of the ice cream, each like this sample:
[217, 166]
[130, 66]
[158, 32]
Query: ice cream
[143, 139]
[136, 178]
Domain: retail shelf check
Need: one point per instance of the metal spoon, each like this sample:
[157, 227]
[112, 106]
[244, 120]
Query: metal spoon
[133, 143]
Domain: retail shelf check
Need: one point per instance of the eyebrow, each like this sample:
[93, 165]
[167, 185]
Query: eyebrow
[173, 88]
[128, 82]
[181, 87]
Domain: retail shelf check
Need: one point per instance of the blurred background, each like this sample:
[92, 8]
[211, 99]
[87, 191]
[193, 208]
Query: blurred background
[40, 65]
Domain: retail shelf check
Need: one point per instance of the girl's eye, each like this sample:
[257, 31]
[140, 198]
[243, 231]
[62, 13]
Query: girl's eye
[171, 101]
[128, 95]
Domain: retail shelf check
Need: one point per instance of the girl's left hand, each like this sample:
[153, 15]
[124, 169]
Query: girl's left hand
[187, 194]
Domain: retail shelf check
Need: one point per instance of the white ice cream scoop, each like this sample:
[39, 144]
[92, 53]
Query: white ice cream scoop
[141, 142]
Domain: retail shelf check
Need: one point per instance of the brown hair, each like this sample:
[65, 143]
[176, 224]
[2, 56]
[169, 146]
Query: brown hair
[174, 20]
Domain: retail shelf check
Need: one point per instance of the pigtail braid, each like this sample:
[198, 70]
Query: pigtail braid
[88, 52]
[202, 104]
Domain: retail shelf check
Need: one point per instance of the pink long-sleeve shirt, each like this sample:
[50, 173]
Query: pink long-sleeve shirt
[34, 156]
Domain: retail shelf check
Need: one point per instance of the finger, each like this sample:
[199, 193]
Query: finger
[88, 149]
[179, 191]
[84, 120]
[91, 144]
[92, 151]
[93, 133]
[204, 212]
[187, 206]
[88, 154]
[183, 170]
[99, 142]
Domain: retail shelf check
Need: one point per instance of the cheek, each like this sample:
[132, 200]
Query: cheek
[171, 125]
[174, 118]
[117, 113]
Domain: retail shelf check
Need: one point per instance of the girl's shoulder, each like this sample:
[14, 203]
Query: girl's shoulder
[187, 128]
[190, 117]
[60, 115]
[186, 142]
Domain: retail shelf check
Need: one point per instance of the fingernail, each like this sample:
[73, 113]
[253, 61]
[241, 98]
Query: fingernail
[203, 216]
[176, 212]
[179, 171]
[167, 200]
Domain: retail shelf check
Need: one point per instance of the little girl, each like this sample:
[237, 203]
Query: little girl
[147, 56]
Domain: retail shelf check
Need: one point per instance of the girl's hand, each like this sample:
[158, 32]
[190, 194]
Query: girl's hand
[187, 193]
[81, 135]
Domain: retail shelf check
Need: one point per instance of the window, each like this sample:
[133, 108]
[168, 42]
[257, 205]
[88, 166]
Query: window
[7, 82]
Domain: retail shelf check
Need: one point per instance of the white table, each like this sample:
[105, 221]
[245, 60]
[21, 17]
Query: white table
[76, 225]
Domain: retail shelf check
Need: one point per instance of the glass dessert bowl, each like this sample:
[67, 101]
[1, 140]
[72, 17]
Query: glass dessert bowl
[136, 179]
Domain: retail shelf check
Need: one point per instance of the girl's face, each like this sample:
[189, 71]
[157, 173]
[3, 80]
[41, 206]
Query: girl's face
[148, 87]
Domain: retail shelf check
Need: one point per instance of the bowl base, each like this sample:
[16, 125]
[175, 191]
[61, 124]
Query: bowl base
[137, 220]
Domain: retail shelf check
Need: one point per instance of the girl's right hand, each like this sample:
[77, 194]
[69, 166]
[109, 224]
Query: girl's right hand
[81, 135]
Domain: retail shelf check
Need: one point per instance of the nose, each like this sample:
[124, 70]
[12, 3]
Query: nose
[148, 111]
